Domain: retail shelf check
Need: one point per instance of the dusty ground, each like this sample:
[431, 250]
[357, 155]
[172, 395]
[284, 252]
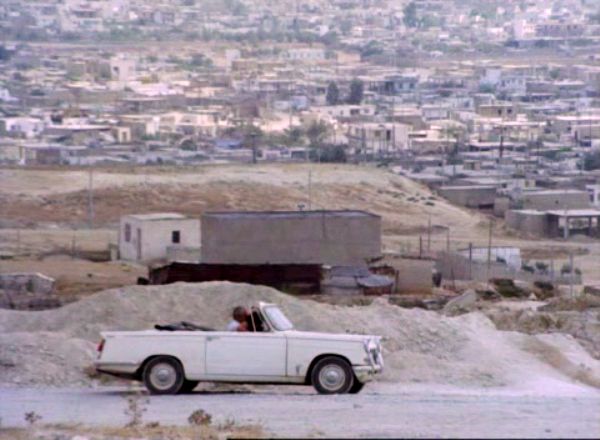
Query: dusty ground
[375, 413]
[77, 277]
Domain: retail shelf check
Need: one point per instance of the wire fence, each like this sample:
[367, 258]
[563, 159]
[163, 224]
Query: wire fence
[92, 243]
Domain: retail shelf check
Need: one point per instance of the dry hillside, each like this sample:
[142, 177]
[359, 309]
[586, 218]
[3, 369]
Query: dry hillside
[60, 196]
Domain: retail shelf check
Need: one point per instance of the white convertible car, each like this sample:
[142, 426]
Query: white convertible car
[173, 359]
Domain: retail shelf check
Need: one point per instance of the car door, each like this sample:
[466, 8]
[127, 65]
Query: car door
[246, 354]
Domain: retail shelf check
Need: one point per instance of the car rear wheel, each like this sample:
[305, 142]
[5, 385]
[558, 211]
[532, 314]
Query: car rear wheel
[188, 386]
[332, 375]
[163, 375]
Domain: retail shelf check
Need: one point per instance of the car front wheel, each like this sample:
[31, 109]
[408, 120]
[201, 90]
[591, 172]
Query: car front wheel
[332, 375]
[356, 387]
[163, 375]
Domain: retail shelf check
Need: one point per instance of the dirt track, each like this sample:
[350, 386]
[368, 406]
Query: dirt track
[376, 412]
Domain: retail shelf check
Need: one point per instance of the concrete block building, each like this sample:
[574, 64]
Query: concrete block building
[555, 199]
[335, 238]
[149, 237]
[471, 196]
[555, 223]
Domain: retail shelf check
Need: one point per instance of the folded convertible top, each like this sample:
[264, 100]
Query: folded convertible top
[183, 326]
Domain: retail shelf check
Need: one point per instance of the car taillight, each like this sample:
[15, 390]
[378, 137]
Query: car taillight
[101, 346]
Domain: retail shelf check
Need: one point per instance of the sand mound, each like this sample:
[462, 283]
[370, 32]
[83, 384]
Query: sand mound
[44, 358]
[420, 346]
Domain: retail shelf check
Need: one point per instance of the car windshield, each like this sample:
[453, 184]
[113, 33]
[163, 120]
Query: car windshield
[278, 319]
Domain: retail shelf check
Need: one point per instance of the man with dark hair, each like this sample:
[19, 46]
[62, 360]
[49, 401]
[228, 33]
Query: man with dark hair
[239, 323]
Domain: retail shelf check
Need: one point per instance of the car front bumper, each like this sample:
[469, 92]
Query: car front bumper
[366, 373]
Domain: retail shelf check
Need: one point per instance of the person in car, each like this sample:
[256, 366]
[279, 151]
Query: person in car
[239, 323]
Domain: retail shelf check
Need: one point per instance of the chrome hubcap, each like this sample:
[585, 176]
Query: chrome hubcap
[332, 377]
[163, 376]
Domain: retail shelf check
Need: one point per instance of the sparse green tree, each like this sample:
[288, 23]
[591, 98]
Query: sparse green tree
[316, 133]
[294, 134]
[591, 161]
[370, 49]
[330, 38]
[357, 89]
[200, 60]
[251, 131]
[333, 94]
[410, 15]
[486, 88]
[4, 54]
[330, 153]
[345, 26]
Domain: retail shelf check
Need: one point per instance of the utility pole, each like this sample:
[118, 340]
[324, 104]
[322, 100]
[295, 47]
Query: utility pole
[73, 246]
[501, 142]
[571, 274]
[429, 234]
[489, 253]
[91, 197]
[309, 190]
[253, 140]
[470, 261]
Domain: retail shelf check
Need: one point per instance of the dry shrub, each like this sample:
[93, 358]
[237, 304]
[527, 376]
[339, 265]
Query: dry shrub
[579, 303]
[150, 431]
[200, 418]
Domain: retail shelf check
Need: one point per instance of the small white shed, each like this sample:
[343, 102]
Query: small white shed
[147, 237]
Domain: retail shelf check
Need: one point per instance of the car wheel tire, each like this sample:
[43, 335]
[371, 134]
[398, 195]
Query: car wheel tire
[163, 375]
[188, 386]
[356, 387]
[332, 375]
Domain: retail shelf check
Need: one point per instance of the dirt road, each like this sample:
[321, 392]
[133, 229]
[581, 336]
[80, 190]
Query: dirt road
[297, 411]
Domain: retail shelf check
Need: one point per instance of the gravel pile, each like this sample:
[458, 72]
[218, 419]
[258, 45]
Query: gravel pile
[54, 347]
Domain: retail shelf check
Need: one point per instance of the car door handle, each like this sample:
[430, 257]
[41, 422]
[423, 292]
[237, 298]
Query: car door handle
[211, 338]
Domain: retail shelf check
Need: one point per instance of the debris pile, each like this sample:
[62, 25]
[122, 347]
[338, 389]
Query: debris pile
[54, 347]
[27, 291]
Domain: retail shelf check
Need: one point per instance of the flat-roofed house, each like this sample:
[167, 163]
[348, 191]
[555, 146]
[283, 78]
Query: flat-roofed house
[150, 237]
